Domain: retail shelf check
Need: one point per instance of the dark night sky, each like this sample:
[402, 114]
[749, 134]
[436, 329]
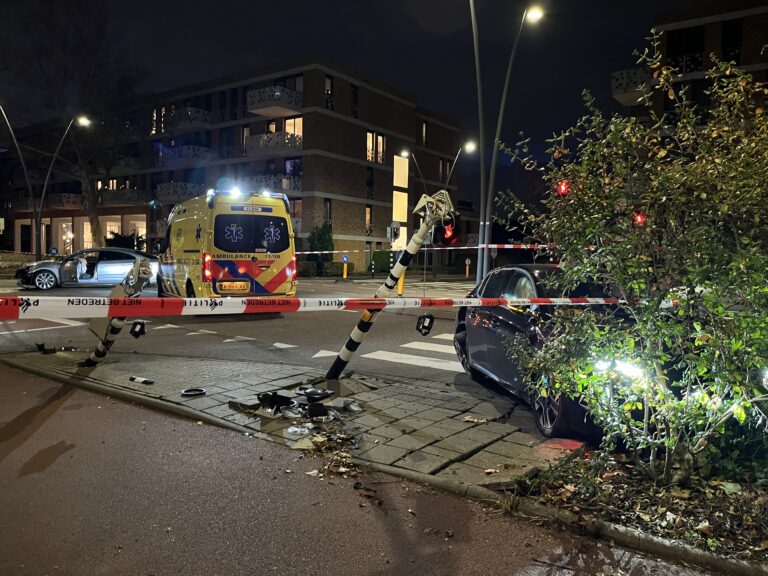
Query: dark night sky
[421, 46]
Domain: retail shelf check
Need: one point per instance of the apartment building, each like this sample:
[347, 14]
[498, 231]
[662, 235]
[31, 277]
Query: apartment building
[323, 135]
[732, 30]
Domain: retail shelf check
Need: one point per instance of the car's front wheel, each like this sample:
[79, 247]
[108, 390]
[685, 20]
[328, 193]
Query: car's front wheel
[551, 415]
[45, 280]
[460, 344]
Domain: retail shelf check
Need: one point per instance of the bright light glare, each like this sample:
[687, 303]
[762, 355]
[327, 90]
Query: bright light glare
[534, 14]
[83, 121]
[235, 192]
[470, 147]
[405, 153]
[629, 370]
[211, 192]
[602, 365]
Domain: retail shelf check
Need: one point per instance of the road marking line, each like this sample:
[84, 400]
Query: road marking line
[324, 353]
[449, 365]
[68, 322]
[165, 326]
[239, 339]
[200, 333]
[446, 336]
[281, 345]
[430, 347]
[34, 330]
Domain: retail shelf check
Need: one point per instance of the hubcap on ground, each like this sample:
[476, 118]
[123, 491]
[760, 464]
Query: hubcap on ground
[547, 411]
[45, 280]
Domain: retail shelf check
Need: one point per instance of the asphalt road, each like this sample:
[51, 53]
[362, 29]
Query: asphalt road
[91, 486]
[393, 347]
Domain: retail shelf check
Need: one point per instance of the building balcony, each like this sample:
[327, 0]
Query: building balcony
[187, 117]
[183, 156]
[272, 143]
[626, 85]
[275, 101]
[228, 152]
[65, 201]
[688, 63]
[175, 192]
[125, 197]
[273, 183]
[17, 202]
[230, 114]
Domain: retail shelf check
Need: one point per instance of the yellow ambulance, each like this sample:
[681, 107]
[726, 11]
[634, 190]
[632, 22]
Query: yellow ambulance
[229, 244]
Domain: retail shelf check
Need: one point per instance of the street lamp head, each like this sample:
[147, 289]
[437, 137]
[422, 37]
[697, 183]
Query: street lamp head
[533, 14]
[83, 121]
[470, 147]
[405, 153]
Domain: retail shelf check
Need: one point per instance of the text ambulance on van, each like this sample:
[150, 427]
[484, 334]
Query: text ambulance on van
[229, 243]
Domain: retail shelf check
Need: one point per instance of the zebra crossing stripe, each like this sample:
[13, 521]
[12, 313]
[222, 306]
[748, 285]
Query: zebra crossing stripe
[446, 336]
[399, 358]
[430, 347]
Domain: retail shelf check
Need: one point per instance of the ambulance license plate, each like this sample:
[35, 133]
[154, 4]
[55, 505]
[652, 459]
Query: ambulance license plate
[237, 287]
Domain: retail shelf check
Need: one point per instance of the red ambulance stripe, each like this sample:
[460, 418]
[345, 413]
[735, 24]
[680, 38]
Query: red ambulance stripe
[9, 308]
[278, 279]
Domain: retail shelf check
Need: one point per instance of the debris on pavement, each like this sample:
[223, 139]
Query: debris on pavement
[475, 420]
[244, 407]
[140, 380]
[187, 392]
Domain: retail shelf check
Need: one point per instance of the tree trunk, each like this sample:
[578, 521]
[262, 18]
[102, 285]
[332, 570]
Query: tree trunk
[91, 202]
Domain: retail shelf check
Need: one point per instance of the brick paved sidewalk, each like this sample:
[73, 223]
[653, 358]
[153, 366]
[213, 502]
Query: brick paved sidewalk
[469, 435]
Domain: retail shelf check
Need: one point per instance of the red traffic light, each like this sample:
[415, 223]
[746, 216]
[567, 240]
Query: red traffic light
[563, 188]
[639, 218]
[448, 231]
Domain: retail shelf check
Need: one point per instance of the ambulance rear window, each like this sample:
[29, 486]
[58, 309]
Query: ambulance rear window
[245, 233]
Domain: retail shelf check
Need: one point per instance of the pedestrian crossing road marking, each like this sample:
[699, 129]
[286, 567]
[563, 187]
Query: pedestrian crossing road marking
[449, 365]
[430, 346]
[446, 336]
[324, 353]
[239, 339]
[281, 345]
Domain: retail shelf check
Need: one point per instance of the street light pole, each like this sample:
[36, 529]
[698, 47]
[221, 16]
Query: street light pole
[81, 121]
[481, 132]
[532, 14]
[23, 164]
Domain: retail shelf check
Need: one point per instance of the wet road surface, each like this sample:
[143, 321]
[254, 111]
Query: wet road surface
[90, 485]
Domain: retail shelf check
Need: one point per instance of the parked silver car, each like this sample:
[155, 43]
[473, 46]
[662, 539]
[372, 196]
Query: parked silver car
[92, 267]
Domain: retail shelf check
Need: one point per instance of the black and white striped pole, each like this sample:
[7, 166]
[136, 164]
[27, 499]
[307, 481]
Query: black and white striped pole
[432, 209]
[107, 329]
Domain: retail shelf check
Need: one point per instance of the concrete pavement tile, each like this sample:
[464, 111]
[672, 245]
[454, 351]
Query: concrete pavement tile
[381, 403]
[409, 442]
[485, 460]
[221, 411]
[242, 419]
[415, 422]
[372, 420]
[415, 407]
[230, 385]
[453, 425]
[496, 409]
[367, 441]
[384, 454]
[433, 432]
[464, 473]
[367, 396]
[387, 430]
[201, 403]
[459, 444]
[442, 452]
[525, 438]
[476, 435]
[395, 413]
[421, 462]
[497, 428]
[510, 450]
[437, 414]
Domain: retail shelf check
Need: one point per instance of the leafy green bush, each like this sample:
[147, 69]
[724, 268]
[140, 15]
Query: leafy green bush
[671, 215]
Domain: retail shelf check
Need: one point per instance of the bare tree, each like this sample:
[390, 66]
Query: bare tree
[65, 59]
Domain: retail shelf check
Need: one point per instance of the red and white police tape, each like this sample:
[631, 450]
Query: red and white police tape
[55, 307]
[497, 246]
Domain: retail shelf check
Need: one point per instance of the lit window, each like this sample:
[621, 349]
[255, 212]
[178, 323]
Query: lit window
[294, 125]
[368, 216]
[296, 207]
[272, 127]
[376, 145]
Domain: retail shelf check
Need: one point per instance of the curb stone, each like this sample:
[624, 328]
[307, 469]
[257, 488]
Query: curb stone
[627, 537]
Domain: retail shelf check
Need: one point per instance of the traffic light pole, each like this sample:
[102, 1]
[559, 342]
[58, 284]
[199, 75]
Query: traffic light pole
[433, 210]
